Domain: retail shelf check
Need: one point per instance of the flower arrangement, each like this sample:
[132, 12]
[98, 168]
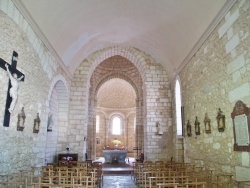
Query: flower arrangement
[116, 142]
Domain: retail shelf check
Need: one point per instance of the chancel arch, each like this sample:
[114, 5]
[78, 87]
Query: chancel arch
[153, 102]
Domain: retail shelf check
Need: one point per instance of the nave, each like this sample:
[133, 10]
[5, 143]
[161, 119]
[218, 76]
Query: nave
[95, 174]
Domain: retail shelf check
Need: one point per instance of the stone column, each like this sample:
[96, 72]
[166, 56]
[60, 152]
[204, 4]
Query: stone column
[106, 131]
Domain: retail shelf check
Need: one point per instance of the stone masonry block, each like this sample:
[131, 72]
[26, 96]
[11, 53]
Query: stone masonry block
[229, 22]
[231, 44]
[236, 64]
[239, 92]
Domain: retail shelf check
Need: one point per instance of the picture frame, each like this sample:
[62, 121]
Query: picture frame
[241, 127]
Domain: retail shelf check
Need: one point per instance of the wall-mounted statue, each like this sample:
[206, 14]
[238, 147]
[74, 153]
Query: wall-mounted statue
[159, 128]
[21, 120]
[36, 124]
[221, 121]
[197, 126]
[50, 122]
[14, 88]
[189, 130]
[207, 124]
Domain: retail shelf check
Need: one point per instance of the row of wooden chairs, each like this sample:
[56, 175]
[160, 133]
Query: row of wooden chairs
[182, 175]
[83, 175]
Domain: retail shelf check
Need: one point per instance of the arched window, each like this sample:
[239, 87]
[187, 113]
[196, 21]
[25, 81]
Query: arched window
[97, 124]
[116, 126]
[178, 107]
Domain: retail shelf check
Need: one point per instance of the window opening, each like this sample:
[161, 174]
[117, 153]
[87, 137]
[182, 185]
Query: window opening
[116, 126]
[178, 107]
[97, 124]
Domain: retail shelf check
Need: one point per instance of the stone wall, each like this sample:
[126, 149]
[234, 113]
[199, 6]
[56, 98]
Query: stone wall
[216, 77]
[22, 149]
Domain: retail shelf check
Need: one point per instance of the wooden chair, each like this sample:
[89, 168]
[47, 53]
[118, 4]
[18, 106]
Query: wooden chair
[161, 178]
[28, 177]
[196, 184]
[97, 168]
[84, 164]
[11, 180]
[223, 181]
[135, 168]
[139, 176]
[47, 173]
[146, 181]
[167, 185]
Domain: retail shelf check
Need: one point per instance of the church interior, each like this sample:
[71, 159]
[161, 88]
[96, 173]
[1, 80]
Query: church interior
[126, 82]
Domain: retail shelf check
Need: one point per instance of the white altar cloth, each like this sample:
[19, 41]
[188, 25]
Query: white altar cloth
[115, 155]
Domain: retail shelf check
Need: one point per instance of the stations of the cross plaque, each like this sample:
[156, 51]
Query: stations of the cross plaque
[19, 76]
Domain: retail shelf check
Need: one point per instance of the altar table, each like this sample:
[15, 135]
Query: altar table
[115, 155]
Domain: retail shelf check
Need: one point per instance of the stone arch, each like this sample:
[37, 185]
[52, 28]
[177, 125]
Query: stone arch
[58, 103]
[83, 72]
[117, 75]
[147, 108]
[53, 83]
[116, 114]
[137, 57]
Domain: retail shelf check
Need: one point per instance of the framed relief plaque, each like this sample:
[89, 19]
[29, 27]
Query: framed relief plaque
[241, 127]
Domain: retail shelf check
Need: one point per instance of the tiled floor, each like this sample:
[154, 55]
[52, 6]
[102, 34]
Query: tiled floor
[118, 181]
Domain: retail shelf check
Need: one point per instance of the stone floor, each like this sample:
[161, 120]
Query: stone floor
[117, 176]
[118, 181]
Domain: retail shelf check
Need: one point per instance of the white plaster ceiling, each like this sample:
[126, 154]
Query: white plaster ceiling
[169, 30]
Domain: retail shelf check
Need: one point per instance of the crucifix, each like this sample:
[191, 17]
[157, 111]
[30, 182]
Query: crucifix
[137, 150]
[15, 76]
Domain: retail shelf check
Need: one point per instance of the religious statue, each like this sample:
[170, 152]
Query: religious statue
[207, 124]
[21, 120]
[159, 128]
[189, 132]
[36, 124]
[50, 122]
[14, 88]
[221, 121]
[197, 126]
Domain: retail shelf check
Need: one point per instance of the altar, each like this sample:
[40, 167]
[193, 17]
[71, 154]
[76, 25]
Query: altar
[117, 156]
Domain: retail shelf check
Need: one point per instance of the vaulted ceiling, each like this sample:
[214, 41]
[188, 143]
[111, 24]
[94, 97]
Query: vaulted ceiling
[117, 94]
[168, 30]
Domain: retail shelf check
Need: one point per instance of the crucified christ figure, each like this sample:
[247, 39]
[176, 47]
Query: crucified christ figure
[14, 88]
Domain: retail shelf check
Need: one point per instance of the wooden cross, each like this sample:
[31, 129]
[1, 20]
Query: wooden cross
[137, 150]
[13, 70]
